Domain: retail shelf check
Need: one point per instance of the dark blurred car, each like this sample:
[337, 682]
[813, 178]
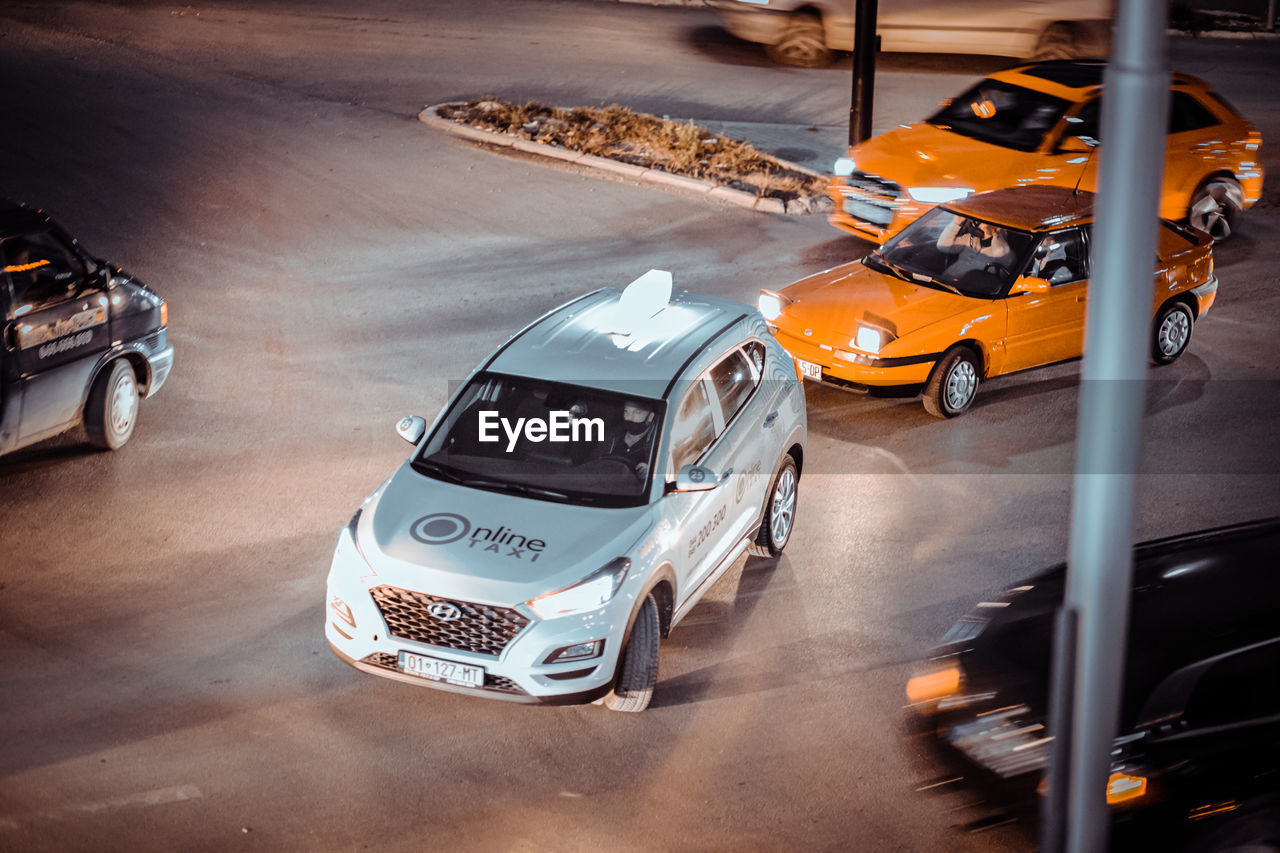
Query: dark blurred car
[1196, 764]
[83, 341]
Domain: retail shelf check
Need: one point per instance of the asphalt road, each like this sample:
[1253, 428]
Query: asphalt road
[332, 264]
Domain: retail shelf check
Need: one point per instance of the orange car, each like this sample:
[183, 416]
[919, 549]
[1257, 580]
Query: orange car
[1038, 124]
[972, 290]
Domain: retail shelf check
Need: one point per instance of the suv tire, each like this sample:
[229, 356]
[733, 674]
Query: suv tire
[638, 663]
[779, 515]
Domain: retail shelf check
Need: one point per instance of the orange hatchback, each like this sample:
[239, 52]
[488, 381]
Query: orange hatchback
[972, 290]
[1038, 124]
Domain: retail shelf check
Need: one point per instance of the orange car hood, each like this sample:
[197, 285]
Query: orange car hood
[831, 304]
[924, 155]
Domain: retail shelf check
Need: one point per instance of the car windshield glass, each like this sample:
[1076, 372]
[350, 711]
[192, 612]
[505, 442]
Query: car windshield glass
[546, 440]
[959, 252]
[1002, 114]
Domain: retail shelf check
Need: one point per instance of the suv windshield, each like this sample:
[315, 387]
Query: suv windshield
[546, 440]
[1002, 114]
[958, 252]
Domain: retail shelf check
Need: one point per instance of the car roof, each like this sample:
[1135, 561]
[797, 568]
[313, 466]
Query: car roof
[1031, 208]
[591, 342]
[1074, 79]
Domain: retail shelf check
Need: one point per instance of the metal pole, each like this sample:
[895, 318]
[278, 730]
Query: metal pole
[1271, 16]
[865, 43]
[1109, 430]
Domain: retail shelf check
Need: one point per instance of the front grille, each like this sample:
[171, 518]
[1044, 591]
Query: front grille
[1005, 742]
[497, 683]
[482, 629]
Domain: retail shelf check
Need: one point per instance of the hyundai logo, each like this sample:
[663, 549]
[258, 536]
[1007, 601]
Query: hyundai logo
[444, 611]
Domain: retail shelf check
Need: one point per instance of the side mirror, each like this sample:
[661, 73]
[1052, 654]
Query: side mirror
[695, 478]
[411, 428]
[1030, 284]
[1076, 145]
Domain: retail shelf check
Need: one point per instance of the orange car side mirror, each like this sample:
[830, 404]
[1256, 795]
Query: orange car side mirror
[1030, 284]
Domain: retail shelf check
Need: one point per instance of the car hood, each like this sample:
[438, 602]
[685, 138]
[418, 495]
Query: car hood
[456, 540]
[832, 303]
[924, 155]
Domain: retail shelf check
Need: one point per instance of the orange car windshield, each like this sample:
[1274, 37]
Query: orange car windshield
[957, 252]
[1002, 114]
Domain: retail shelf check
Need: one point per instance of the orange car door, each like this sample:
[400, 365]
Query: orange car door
[1048, 327]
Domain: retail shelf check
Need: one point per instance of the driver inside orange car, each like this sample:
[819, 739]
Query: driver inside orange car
[975, 245]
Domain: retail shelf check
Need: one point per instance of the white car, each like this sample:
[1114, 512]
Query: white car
[807, 33]
[581, 491]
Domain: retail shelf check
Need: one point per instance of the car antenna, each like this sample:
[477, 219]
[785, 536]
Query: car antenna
[1076, 189]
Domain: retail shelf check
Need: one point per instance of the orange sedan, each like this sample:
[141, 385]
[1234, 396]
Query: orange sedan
[1038, 124]
[972, 290]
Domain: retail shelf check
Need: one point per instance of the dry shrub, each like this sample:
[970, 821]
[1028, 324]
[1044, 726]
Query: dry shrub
[616, 132]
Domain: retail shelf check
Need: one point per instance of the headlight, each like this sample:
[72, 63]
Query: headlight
[937, 195]
[843, 167]
[870, 340]
[771, 304]
[587, 594]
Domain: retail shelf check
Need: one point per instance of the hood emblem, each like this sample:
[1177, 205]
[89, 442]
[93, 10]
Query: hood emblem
[808, 333]
[444, 611]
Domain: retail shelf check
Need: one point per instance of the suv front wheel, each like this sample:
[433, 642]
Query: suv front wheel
[779, 512]
[638, 663]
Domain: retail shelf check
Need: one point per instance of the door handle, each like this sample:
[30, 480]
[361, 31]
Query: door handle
[726, 475]
[770, 418]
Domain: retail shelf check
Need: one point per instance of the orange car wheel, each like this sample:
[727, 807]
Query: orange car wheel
[953, 385]
[1215, 207]
[1172, 332]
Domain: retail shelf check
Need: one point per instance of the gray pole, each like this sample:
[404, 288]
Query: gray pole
[1109, 430]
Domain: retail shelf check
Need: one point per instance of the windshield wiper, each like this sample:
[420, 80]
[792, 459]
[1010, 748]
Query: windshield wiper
[877, 262]
[905, 274]
[426, 466]
[513, 488]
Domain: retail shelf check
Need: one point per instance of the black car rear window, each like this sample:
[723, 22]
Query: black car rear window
[1002, 114]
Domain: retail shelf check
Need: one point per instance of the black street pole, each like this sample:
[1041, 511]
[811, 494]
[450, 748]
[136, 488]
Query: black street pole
[865, 43]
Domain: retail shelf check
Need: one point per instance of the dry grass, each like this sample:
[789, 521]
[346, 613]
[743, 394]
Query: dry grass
[643, 140]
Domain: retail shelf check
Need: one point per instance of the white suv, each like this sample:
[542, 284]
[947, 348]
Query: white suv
[582, 490]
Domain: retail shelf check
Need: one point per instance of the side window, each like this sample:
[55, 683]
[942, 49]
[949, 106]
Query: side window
[693, 430]
[1061, 258]
[1238, 688]
[1085, 122]
[42, 269]
[1186, 113]
[734, 378]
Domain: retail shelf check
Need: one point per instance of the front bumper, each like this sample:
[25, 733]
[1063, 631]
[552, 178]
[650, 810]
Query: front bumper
[872, 207]
[161, 364]
[864, 373]
[515, 665]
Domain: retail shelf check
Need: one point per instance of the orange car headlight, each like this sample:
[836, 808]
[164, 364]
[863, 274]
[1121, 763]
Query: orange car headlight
[938, 684]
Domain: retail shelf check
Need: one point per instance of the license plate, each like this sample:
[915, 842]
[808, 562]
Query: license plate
[809, 370]
[435, 669]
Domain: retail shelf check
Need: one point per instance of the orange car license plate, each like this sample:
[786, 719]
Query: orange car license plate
[809, 370]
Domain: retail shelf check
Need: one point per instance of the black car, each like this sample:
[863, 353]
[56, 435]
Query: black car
[83, 341]
[1196, 765]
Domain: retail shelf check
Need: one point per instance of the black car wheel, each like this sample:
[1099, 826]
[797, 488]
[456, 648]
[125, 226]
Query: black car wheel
[638, 664]
[953, 385]
[112, 410]
[779, 512]
[1171, 332]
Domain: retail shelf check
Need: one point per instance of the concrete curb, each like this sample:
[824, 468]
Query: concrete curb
[714, 192]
